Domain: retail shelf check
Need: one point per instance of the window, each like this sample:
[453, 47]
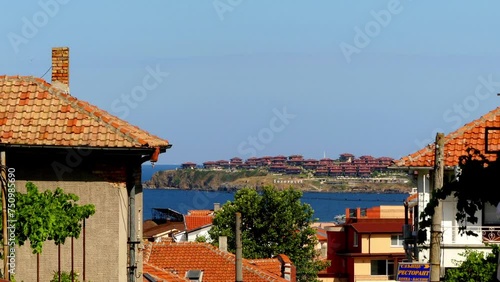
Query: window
[363, 212]
[397, 240]
[355, 239]
[352, 213]
[382, 267]
[490, 215]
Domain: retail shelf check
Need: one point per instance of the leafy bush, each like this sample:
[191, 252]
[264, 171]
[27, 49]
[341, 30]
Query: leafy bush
[477, 267]
[65, 276]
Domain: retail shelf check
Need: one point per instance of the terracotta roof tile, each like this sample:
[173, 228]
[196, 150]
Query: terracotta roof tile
[196, 221]
[471, 134]
[161, 275]
[272, 265]
[200, 212]
[151, 231]
[32, 110]
[217, 266]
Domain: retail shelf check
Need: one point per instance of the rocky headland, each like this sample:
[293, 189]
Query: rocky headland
[231, 180]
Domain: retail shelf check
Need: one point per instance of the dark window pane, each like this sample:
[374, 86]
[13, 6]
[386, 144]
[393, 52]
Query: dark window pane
[378, 267]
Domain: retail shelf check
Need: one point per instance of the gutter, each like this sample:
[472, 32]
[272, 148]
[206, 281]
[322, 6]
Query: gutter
[162, 148]
[418, 167]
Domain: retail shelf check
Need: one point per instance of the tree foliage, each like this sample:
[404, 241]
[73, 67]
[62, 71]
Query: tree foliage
[477, 267]
[65, 277]
[51, 215]
[273, 222]
[475, 184]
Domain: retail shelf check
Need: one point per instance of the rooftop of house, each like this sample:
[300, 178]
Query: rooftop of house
[217, 265]
[378, 227]
[34, 112]
[472, 134]
[197, 221]
[160, 275]
[165, 228]
[321, 235]
[200, 212]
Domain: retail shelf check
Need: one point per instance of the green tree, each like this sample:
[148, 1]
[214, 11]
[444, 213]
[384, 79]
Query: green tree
[273, 222]
[201, 239]
[51, 215]
[477, 267]
[65, 277]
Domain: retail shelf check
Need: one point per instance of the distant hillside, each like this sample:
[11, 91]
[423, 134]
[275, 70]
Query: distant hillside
[225, 180]
[200, 179]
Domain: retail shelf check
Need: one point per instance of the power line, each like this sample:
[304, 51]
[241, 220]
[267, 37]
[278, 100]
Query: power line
[46, 72]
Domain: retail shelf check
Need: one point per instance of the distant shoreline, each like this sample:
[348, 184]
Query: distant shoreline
[308, 191]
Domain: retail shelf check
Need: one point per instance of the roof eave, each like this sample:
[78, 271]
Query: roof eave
[162, 148]
[418, 167]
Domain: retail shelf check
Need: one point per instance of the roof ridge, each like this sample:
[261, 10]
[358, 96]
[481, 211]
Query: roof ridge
[113, 123]
[73, 101]
[148, 249]
[472, 124]
[227, 256]
[166, 271]
[429, 148]
[245, 263]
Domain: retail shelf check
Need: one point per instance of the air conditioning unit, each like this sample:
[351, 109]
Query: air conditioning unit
[407, 232]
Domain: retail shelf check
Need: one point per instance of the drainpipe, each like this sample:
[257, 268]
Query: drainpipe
[239, 255]
[132, 235]
[415, 236]
[4, 182]
[370, 243]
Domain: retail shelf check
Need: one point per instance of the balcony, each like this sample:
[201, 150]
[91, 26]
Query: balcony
[485, 234]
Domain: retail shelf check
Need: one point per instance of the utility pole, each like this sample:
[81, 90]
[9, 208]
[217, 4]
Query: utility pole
[239, 254]
[435, 252]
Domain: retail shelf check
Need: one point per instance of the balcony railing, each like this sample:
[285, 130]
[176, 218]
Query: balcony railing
[485, 234]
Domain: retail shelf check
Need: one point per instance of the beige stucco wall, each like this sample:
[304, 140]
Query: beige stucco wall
[378, 243]
[392, 211]
[105, 235]
[362, 267]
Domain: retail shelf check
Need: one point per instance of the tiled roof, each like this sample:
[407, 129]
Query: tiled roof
[200, 212]
[34, 112]
[321, 235]
[217, 266]
[160, 275]
[162, 228]
[378, 227]
[149, 224]
[272, 265]
[455, 144]
[196, 221]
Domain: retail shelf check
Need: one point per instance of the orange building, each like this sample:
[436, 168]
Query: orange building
[368, 247]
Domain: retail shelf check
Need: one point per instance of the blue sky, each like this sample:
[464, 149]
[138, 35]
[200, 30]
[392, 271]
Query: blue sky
[253, 78]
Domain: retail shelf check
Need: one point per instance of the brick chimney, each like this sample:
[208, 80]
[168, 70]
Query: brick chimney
[60, 68]
[288, 269]
[216, 207]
